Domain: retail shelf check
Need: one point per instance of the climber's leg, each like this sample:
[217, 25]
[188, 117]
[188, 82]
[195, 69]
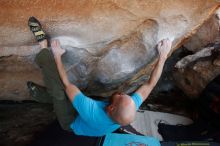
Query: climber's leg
[62, 106]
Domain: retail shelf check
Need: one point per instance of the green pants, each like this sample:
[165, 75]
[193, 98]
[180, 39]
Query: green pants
[55, 89]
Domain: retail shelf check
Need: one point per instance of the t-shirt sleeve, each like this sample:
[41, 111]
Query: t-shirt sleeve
[84, 105]
[137, 100]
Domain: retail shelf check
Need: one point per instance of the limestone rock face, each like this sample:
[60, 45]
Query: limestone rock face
[110, 44]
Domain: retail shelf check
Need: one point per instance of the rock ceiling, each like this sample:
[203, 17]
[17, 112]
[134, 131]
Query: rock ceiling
[110, 43]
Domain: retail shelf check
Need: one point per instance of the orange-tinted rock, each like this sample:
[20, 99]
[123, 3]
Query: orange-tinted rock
[89, 22]
[207, 34]
[110, 44]
[199, 71]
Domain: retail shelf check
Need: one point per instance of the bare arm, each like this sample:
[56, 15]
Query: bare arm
[164, 48]
[70, 89]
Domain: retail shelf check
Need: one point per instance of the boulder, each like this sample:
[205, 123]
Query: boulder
[110, 44]
[197, 70]
[197, 76]
[207, 34]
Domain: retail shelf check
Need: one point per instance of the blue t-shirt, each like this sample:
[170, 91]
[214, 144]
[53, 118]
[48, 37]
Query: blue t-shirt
[93, 119]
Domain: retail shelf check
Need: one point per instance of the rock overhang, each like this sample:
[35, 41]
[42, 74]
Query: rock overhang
[110, 44]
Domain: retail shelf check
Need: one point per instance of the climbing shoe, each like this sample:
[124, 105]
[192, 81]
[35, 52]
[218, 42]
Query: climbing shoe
[36, 28]
[39, 93]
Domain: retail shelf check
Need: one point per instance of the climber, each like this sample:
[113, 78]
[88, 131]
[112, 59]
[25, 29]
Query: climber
[93, 118]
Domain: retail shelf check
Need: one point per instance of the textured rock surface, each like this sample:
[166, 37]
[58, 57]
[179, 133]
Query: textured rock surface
[110, 44]
[196, 76]
[193, 78]
[205, 35]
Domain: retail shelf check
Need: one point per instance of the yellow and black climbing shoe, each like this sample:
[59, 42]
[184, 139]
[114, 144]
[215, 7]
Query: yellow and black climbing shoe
[36, 28]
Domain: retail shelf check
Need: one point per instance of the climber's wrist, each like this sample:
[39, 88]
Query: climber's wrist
[163, 58]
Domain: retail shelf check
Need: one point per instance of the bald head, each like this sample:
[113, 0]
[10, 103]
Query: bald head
[122, 109]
